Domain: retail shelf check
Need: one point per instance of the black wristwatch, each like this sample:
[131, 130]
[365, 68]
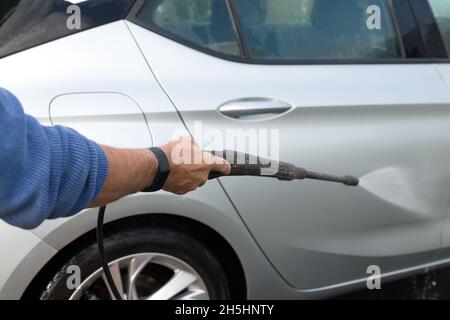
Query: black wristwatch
[163, 170]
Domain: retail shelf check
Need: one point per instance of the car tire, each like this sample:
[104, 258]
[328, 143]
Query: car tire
[183, 248]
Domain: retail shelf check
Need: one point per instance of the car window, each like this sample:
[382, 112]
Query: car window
[441, 11]
[206, 23]
[317, 29]
[28, 23]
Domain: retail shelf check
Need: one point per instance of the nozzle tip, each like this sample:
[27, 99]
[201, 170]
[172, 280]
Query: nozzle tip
[351, 181]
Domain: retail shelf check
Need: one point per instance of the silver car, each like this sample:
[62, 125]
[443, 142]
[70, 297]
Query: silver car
[355, 86]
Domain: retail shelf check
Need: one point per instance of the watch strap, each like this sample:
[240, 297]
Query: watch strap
[163, 170]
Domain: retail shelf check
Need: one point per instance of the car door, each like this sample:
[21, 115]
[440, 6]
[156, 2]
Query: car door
[326, 85]
[435, 15]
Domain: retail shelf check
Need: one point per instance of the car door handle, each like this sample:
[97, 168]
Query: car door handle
[254, 108]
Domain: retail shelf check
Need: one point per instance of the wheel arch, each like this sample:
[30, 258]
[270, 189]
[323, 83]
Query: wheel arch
[211, 238]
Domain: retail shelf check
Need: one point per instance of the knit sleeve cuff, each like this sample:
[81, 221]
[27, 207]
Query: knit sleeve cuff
[102, 169]
[96, 179]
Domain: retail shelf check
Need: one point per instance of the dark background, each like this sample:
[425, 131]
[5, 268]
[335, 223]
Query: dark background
[432, 285]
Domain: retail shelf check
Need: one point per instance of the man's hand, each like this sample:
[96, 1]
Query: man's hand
[133, 170]
[190, 166]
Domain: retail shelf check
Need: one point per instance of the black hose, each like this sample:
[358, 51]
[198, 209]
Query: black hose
[286, 171]
[102, 254]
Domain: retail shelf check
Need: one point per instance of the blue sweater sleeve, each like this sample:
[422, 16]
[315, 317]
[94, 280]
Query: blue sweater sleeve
[45, 172]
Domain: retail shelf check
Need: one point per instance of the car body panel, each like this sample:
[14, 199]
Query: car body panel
[444, 71]
[69, 91]
[208, 206]
[347, 119]
[300, 248]
[101, 115]
[23, 255]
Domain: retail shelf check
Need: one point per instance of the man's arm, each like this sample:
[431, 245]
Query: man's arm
[133, 170]
[130, 171]
[45, 172]
[53, 172]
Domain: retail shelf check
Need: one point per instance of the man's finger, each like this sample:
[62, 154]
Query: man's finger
[217, 164]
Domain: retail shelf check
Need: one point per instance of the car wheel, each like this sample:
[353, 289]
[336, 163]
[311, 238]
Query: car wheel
[152, 263]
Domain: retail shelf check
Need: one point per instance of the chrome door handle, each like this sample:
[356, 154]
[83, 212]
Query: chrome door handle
[254, 108]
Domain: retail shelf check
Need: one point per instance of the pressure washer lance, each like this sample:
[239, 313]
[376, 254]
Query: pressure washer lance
[242, 164]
